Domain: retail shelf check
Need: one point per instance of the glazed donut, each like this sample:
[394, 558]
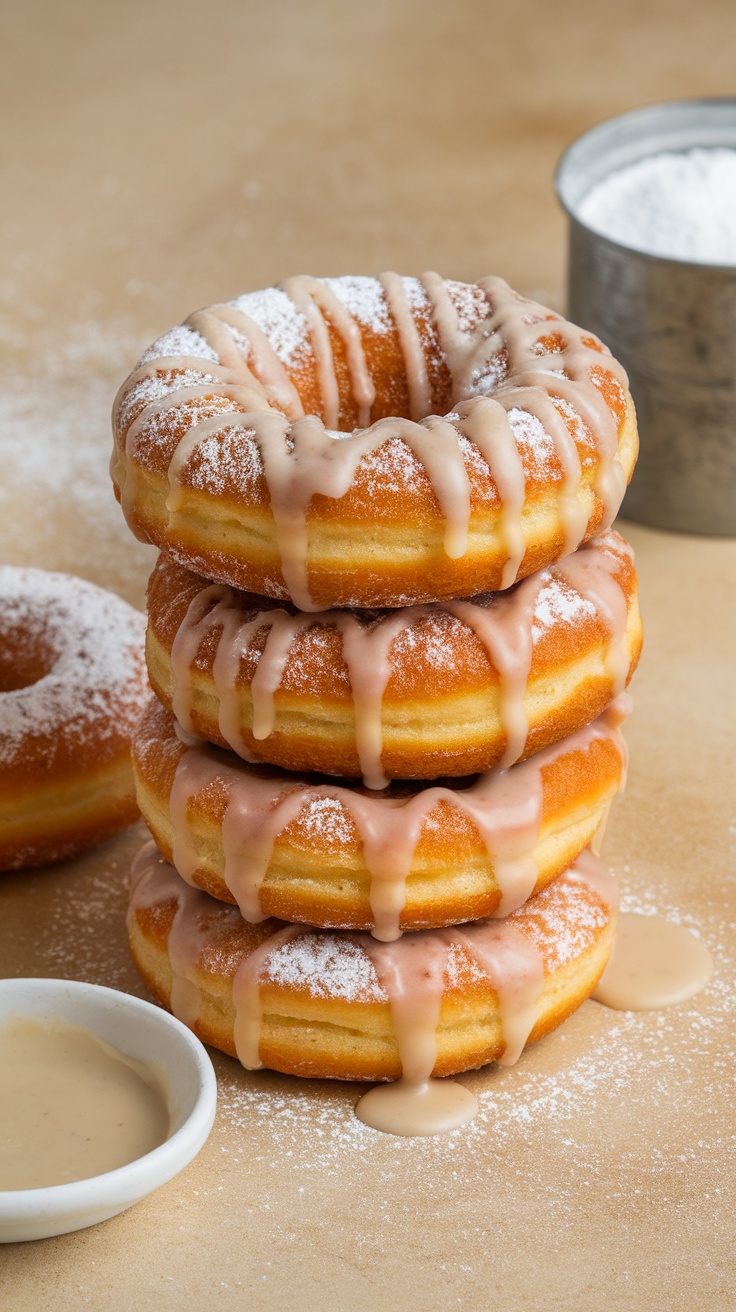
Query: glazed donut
[72, 685]
[313, 1003]
[344, 858]
[363, 442]
[454, 688]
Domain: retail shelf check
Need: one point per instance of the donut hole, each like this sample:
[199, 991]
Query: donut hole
[25, 658]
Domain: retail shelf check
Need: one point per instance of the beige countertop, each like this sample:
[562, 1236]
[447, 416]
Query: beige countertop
[168, 155]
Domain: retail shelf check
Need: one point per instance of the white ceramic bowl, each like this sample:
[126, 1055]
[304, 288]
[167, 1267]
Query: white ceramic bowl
[141, 1031]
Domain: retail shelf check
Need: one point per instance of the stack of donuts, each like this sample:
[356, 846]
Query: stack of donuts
[390, 632]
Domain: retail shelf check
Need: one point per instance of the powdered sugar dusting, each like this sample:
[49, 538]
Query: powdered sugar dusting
[432, 636]
[557, 1118]
[95, 646]
[416, 296]
[569, 923]
[395, 464]
[582, 434]
[278, 317]
[557, 603]
[365, 299]
[55, 494]
[324, 819]
[153, 388]
[562, 921]
[242, 342]
[327, 965]
[616, 1121]
[469, 303]
[533, 440]
[161, 432]
[550, 1127]
[229, 459]
[180, 341]
[474, 459]
[486, 380]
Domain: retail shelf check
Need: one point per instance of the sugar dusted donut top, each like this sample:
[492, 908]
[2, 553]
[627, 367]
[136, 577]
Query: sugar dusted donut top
[72, 674]
[342, 405]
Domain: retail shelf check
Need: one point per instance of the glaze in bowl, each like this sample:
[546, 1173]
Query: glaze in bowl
[148, 1034]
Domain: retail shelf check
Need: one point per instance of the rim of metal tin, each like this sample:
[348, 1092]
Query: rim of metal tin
[675, 125]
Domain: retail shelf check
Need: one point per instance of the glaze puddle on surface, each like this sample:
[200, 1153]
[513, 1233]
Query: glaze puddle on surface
[415, 1109]
[654, 963]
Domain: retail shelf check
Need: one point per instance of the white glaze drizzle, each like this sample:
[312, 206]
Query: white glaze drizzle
[504, 806]
[303, 456]
[503, 624]
[410, 974]
[420, 391]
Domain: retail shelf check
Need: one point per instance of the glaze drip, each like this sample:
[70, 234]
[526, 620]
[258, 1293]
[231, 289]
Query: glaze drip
[412, 975]
[550, 371]
[504, 806]
[505, 624]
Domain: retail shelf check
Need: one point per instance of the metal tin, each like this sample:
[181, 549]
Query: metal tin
[671, 323]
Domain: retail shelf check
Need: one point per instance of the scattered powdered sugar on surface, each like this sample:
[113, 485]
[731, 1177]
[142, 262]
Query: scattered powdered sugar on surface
[432, 636]
[416, 296]
[56, 497]
[180, 341]
[570, 922]
[626, 1113]
[155, 433]
[561, 921]
[242, 342]
[634, 1057]
[460, 966]
[474, 459]
[317, 649]
[95, 641]
[282, 322]
[582, 434]
[365, 299]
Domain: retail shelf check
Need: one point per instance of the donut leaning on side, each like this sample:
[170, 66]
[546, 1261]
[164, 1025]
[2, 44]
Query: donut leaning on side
[72, 686]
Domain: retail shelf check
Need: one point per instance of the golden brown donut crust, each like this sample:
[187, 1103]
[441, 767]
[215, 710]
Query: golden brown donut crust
[317, 873]
[441, 710]
[382, 541]
[315, 1032]
[72, 685]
